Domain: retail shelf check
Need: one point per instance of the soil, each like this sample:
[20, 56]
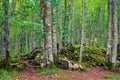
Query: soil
[94, 73]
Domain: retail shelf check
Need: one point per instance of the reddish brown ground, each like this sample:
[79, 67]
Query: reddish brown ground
[96, 73]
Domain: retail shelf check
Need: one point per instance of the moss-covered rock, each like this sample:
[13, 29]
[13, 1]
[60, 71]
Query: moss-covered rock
[92, 55]
[14, 60]
[18, 66]
[32, 54]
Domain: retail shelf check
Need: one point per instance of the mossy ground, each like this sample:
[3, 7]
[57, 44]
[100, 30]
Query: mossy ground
[48, 70]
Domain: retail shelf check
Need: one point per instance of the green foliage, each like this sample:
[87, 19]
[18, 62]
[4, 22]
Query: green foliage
[7, 74]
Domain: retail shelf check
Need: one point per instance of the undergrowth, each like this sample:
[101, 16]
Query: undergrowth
[7, 74]
[111, 77]
[48, 70]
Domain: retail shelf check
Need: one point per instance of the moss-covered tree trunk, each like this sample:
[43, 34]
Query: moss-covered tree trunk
[111, 56]
[5, 35]
[46, 20]
[54, 39]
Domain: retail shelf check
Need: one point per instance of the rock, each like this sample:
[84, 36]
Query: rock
[18, 65]
[63, 64]
[67, 64]
[75, 66]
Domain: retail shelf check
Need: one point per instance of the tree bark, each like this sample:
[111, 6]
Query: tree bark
[54, 40]
[83, 29]
[46, 19]
[60, 31]
[73, 22]
[112, 35]
[109, 42]
[115, 40]
[5, 34]
[13, 7]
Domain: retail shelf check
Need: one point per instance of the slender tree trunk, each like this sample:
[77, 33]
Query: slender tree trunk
[83, 29]
[109, 47]
[5, 34]
[54, 40]
[73, 22]
[42, 9]
[13, 7]
[65, 22]
[60, 32]
[115, 40]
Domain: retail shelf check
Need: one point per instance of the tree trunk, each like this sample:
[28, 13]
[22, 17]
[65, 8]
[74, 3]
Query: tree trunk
[46, 20]
[83, 30]
[60, 32]
[73, 22]
[112, 35]
[13, 7]
[5, 34]
[54, 40]
[115, 40]
[109, 47]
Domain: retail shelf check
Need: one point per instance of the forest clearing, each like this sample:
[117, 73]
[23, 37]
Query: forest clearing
[59, 39]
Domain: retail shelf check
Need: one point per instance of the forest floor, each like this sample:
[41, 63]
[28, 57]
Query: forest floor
[94, 73]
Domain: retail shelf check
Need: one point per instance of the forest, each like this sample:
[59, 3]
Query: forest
[59, 39]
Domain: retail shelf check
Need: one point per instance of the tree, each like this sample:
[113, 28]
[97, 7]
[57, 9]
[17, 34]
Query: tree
[83, 30]
[5, 34]
[72, 21]
[13, 7]
[54, 40]
[46, 18]
[60, 45]
[112, 34]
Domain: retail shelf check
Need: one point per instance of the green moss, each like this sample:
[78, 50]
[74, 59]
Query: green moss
[97, 60]
[85, 65]
[21, 66]
[63, 78]
[111, 77]
[18, 66]
[76, 46]
[92, 55]
[14, 60]
[92, 50]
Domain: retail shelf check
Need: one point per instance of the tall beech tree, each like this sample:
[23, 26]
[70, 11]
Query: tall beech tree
[46, 19]
[111, 56]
